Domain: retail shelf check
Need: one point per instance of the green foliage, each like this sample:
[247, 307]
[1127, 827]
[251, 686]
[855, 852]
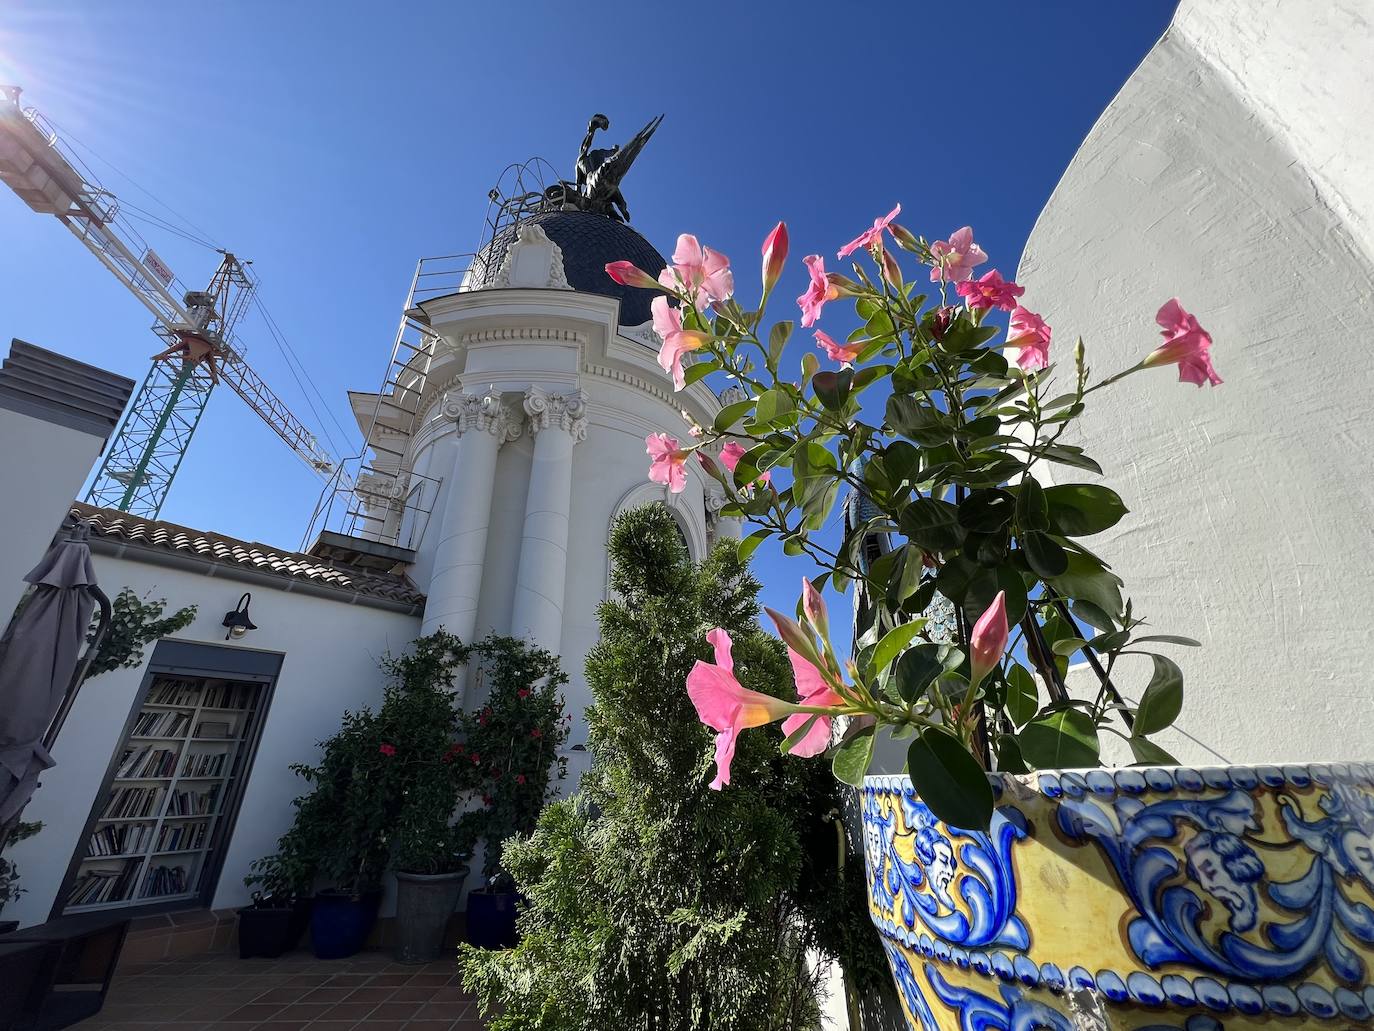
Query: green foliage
[945, 438]
[653, 901]
[511, 753]
[133, 623]
[9, 873]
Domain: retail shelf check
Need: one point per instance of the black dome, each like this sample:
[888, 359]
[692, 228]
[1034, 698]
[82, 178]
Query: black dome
[589, 242]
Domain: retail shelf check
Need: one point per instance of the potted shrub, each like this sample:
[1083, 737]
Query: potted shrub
[9, 873]
[511, 758]
[1011, 889]
[272, 924]
[419, 720]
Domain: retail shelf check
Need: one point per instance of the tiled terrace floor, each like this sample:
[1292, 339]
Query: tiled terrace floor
[366, 992]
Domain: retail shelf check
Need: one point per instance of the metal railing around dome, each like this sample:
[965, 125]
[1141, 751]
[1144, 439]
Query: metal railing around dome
[370, 494]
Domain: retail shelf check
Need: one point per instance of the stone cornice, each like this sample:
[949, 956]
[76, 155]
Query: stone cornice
[522, 333]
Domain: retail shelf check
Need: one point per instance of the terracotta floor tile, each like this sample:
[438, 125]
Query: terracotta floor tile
[253, 1013]
[412, 993]
[282, 1025]
[394, 980]
[353, 1011]
[449, 1011]
[429, 1025]
[436, 980]
[303, 1011]
[328, 995]
[374, 995]
[333, 1025]
[283, 996]
[348, 980]
[395, 1011]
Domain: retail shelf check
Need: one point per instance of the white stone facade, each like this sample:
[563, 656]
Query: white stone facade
[1233, 171]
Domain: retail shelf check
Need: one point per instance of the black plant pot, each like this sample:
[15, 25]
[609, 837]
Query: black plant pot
[270, 930]
[340, 922]
[491, 918]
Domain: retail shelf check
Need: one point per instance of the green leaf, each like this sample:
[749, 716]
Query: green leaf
[1044, 554]
[746, 547]
[1032, 512]
[777, 340]
[1009, 758]
[1187, 642]
[894, 641]
[699, 370]
[1080, 509]
[832, 388]
[915, 671]
[1023, 696]
[731, 414]
[932, 524]
[1067, 454]
[1065, 739]
[986, 511]
[1163, 698]
[919, 422]
[773, 406]
[1068, 645]
[1147, 753]
[810, 365]
[1088, 580]
[1093, 616]
[852, 758]
[949, 780]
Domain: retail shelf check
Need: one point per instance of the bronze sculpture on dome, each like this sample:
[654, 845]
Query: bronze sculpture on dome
[599, 173]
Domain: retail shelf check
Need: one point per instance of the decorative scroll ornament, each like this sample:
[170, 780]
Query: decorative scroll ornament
[567, 412]
[483, 412]
[548, 273]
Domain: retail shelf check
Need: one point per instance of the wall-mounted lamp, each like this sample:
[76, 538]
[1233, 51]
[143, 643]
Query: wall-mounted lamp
[238, 621]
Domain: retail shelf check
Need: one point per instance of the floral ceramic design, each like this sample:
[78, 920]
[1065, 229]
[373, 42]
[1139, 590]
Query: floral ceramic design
[1196, 899]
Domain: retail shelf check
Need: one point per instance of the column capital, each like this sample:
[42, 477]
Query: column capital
[567, 412]
[486, 413]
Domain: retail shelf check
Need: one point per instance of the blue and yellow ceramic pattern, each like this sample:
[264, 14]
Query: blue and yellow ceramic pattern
[1213, 899]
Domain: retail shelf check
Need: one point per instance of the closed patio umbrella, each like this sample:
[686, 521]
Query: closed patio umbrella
[41, 666]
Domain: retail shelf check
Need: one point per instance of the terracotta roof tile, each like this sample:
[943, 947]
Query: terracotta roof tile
[114, 525]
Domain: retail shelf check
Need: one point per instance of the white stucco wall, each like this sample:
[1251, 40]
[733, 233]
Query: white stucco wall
[45, 465]
[331, 650]
[1233, 171]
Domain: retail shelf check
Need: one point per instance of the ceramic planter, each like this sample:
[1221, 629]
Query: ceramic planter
[1214, 899]
[269, 931]
[491, 918]
[340, 922]
[424, 902]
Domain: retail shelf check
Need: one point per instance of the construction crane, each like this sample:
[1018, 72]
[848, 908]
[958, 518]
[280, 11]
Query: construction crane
[197, 327]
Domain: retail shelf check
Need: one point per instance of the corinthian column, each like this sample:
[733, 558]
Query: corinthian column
[483, 423]
[558, 422]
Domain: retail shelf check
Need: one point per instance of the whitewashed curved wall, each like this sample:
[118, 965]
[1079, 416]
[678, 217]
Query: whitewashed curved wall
[1234, 170]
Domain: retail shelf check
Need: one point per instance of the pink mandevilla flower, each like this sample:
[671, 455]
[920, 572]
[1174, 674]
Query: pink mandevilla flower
[988, 291]
[668, 461]
[774, 255]
[817, 292]
[676, 340]
[730, 455]
[812, 686]
[1186, 344]
[956, 257]
[725, 705]
[1029, 334]
[870, 236]
[626, 273]
[988, 639]
[843, 353]
[701, 273]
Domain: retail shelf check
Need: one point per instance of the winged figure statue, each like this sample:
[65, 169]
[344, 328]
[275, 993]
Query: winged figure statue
[600, 171]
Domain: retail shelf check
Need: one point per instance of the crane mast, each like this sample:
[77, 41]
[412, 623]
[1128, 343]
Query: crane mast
[142, 459]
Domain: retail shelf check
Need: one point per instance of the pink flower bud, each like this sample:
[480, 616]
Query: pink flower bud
[814, 607]
[988, 640]
[626, 274]
[774, 255]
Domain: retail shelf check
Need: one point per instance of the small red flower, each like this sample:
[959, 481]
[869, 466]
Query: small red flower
[486, 800]
[536, 732]
[524, 692]
[387, 749]
[476, 759]
[519, 778]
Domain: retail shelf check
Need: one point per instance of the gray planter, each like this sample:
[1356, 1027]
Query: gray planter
[424, 902]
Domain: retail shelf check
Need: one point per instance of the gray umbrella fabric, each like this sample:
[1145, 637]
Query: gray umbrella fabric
[38, 656]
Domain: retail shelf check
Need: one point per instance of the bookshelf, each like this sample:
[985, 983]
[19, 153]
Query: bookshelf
[162, 816]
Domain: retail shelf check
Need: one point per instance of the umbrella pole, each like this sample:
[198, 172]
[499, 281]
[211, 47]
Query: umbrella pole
[78, 675]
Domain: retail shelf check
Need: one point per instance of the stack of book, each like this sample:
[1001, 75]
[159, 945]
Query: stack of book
[206, 764]
[227, 696]
[193, 803]
[120, 840]
[132, 802]
[177, 836]
[103, 884]
[161, 723]
[171, 691]
[164, 880]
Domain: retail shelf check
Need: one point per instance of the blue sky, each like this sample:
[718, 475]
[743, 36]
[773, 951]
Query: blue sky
[334, 144]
